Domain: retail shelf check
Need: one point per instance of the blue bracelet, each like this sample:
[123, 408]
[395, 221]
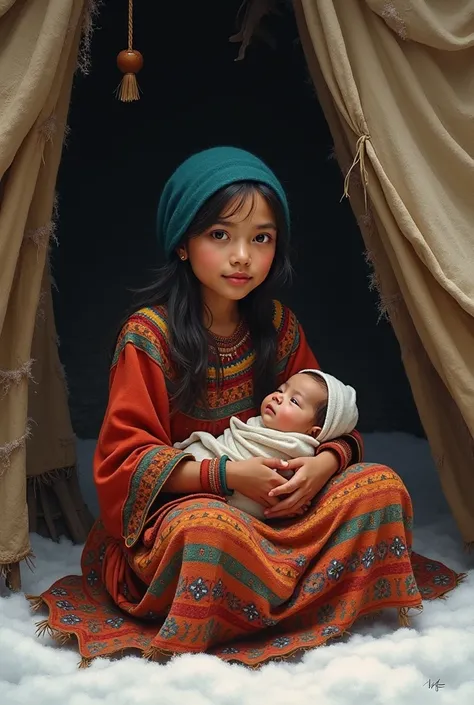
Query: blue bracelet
[223, 476]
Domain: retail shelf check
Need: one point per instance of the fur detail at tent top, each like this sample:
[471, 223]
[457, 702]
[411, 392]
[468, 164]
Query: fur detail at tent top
[130, 62]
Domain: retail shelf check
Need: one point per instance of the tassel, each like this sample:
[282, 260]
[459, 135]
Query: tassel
[43, 628]
[130, 62]
[403, 618]
[36, 603]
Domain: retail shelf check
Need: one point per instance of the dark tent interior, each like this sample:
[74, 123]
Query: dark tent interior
[118, 157]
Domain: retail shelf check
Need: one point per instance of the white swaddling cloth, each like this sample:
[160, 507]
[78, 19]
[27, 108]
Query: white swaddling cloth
[342, 414]
[252, 439]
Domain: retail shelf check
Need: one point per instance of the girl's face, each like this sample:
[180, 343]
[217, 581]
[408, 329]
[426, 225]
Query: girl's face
[234, 255]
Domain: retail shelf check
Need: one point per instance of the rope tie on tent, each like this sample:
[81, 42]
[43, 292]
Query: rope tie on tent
[129, 61]
[360, 160]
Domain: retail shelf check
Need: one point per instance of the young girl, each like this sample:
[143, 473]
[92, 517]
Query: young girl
[170, 567]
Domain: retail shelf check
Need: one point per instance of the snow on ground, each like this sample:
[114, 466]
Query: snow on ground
[433, 662]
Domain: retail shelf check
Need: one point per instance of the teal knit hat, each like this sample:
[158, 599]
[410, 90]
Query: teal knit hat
[199, 178]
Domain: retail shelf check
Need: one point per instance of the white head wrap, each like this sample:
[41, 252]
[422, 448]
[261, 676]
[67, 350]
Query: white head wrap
[342, 413]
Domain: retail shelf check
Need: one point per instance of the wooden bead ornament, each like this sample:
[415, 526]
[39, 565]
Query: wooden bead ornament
[129, 61]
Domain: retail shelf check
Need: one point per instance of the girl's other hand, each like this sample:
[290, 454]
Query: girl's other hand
[255, 478]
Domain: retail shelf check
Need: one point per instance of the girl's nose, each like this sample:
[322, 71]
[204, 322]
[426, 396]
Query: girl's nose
[241, 254]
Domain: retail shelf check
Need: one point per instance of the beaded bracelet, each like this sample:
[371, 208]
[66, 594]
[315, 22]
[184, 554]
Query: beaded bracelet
[223, 475]
[213, 477]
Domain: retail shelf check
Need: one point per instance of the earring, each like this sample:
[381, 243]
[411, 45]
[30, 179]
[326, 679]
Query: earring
[183, 257]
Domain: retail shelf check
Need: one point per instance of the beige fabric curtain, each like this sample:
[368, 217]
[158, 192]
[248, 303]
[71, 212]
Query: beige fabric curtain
[395, 80]
[39, 42]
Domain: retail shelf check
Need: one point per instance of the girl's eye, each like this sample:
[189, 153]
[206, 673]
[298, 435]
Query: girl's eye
[219, 235]
[262, 238]
[294, 401]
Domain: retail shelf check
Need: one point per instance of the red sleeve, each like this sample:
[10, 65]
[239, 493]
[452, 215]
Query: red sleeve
[292, 340]
[134, 456]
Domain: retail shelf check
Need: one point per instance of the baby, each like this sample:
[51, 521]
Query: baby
[309, 408]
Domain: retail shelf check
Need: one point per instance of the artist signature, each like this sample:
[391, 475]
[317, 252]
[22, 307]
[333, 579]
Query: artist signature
[436, 685]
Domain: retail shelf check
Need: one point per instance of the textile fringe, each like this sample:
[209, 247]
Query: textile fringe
[359, 159]
[253, 12]
[6, 569]
[8, 378]
[299, 650]
[48, 128]
[403, 618]
[460, 578]
[156, 654]
[403, 615]
[42, 236]
[43, 628]
[91, 11]
[27, 558]
[7, 450]
[36, 602]
[40, 312]
[394, 20]
[62, 375]
[50, 477]
[388, 306]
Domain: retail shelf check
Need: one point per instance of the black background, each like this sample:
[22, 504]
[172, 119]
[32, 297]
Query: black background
[194, 95]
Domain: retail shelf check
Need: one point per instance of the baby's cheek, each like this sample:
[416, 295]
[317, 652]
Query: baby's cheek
[287, 419]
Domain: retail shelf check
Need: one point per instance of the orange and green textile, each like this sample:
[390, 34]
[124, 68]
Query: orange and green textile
[168, 575]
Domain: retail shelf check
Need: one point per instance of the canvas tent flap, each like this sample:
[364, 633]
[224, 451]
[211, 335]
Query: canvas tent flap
[39, 42]
[404, 109]
[439, 24]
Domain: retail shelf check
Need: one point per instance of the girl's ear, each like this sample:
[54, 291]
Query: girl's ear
[182, 254]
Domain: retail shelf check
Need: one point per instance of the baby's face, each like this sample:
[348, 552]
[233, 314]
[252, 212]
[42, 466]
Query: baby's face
[294, 405]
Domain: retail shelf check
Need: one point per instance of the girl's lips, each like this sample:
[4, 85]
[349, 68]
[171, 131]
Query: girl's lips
[237, 280]
[269, 408]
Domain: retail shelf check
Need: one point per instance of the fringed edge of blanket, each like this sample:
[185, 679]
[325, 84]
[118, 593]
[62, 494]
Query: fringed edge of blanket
[460, 578]
[156, 654]
[44, 628]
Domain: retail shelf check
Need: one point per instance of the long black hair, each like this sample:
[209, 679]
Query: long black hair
[176, 286]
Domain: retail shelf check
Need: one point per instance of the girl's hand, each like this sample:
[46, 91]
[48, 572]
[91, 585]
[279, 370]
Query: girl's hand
[255, 478]
[311, 474]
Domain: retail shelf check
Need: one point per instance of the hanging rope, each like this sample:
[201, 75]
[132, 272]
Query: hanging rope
[130, 25]
[129, 61]
[358, 159]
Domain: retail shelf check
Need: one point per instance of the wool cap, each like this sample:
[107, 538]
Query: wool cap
[200, 177]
